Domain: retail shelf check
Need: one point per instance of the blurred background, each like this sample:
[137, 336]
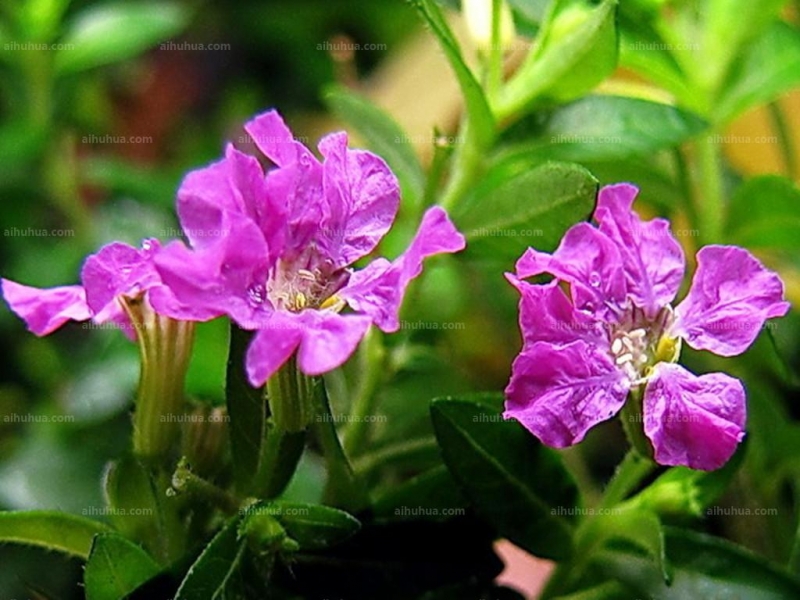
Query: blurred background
[104, 106]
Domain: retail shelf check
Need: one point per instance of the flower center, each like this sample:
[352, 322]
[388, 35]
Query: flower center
[639, 343]
[295, 288]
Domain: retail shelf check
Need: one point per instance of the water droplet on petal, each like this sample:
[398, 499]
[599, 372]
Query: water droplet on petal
[594, 279]
[147, 245]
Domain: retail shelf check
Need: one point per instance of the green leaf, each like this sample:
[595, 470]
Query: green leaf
[609, 590]
[480, 115]
[517, 484]
[769, 67]
[598, 128]
[116, 31]
[383, 135]
[730, 25]
[38, 20]
[533, 10]
[515, 207]
[644, 51]
[312, 526]
[643, 529]
[116, 567]
[429, 495]
[247, 411]
[216, 571]
[52, 530]
[703, 567]
[576, 49]
[764, 213]
[140, 509]
[683, 492]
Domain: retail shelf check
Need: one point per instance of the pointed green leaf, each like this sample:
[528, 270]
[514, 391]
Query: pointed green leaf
[517, 484]
[515, 207]
[703, 566]
[51, 530]
[729, 26]
[769, 67]
[609, 590]
[115, 31]
[576, 49]
[429, 495]
[247, 411]
[140, 511]
[598, 128]
[116, 567]
[480, 115]
[639, 527]
[312, 526]
[216, 571]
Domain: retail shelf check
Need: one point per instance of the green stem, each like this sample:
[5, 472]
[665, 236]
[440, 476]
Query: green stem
[184, 481]
[632, 417]
[442, 151]
[343, 488]
[710, 206]
[495, 70]
[629, 474]
[684, 181]
[372, 363]
[785, 138]
[466, 170]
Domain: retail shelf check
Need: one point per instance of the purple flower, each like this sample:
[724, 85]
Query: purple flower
[115, 272]
[273, 250]
[616, 332]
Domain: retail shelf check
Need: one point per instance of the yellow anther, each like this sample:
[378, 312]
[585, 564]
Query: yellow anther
[334, 303]
[300, 301]
[668, 349]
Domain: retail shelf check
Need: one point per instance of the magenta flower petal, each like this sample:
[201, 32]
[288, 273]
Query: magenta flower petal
[202, 198]
[731, 297]
[547, 315]
[586, 259]
[45, 310]
[363, 196]
[227, 277]
[378, 289]
[116, 270]
[235, 185]
[653, 260]
[271, 135]
[328, 339]
[299, 188]
[693, 421]
[274, 342]
[559, 392]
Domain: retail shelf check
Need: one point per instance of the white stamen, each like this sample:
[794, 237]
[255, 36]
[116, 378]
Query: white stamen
[616, 346]
[306, 274]
[625, 358]
[637, 334]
